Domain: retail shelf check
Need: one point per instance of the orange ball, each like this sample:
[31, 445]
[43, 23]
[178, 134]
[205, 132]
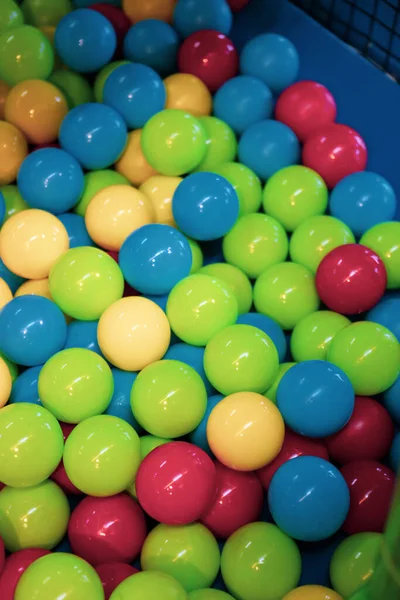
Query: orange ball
[187, 92]
[132, 163]
[13, 150]
[4, 89]
[138, 10]
[37, 107]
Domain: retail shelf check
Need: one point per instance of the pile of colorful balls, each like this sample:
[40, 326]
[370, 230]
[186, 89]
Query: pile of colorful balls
[200, 313]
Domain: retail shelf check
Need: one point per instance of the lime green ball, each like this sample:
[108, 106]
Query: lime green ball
[95, 181]
[246, 183]
[25, 53]
[286, 292]
[13, 199]
[84, 282]
[221, 144]
[312, 335]
[149, 442]
[60, 575]
[260, 562]
[12, 367]
[369, 354]
[199, 306]
[189, 553]
[102, 76]
[168, 398]
[236, 280]
[241, 358]
[209, 594]
[315, 237]
[33, 517]
[75, 384]
[31, 444]
[74, 87]
[149, 585]
[384, 239]
[271, 391]
[173, 142]
[197, 256]
[44, 13]
[10, 15]
[354, 561]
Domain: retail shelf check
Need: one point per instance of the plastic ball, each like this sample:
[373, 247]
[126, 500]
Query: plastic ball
[191, 16]
[43, 13]
[133, 332]
[246, 184]
[391, 400]
[209, 594]
[25, 53]
[59, 475]
[76, 229]
[160, 190]
[4, 90]
[387, 313]
[243, 101]
[188, 93]
[95, 134]
[313, 335]
[112, 574]
[334, 151]
[269, 327]
[150, 585]
[312, 592]
[13, 150]
[11, 16]
[13, 370]
[149, 9]
[236, 279]
[5, 293]
[33, 517]
[199, 306]
[132, 163]
[360, 350]
[197, 256]
[277, 558]
[13, 281]
[154, 43]
[102, 76]
[13, 200]
[74, 87]
[199, 435]
[5, 383]
[221, 145]
[118, 19]
[371, 488]
[384, 240]
[174, 142]
[95, 181]
[16, 564]
[120, 402]
[37, 287]
[394, 456]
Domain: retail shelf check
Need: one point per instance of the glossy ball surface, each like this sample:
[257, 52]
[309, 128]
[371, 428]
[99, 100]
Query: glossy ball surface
[195, 15]
[150, 584]
[25, 53]
[236, 279]
[112, 574]
[313, 335]
[221, 145]
[387, 313]
[188, 93]
[154, 43]
[384, 240]
[246, 183]
[269, 327]
[15, 565]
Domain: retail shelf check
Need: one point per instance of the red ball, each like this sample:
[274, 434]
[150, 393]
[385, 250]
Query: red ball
[367, 436]
[2, 485]
[59, 475]
[2, 555]
[237, 5]
[335, 151]
[305, 106]
[103, 530]
[209, 55]
[114, 254]
[293, 445]
[118, 20]
[371, 488]
[176, 483]
[239, 501]
[16, 565]
[112, 574]
[351, 279]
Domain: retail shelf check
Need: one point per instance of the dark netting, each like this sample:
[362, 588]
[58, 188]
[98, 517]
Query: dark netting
[370, 26]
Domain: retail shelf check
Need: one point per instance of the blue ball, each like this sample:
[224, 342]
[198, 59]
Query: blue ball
[13, 281]
[308, 498]
[387, 313]
[120, 405]
[362, 200]
[25, 387]
[315, 398]
[195, 15]
[267, 147]
[268, 326]
[391, 400]
[154, 258]
[205, 206]
[243, 101]
[85, 40]
[95, 134]
[192, 356]
[199, 435]
[394, 456]
[161, 301]
[76, 229]
[272, 58]
[51, 179]
[153, 43]
[2, 208]
[32, 329]
[316, 559]
[82, 334]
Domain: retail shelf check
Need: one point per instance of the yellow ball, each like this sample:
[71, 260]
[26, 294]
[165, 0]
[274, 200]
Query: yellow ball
[133, 332]
[13, 150]
[132, 163]
[4, 90]
[149, 9]
[36, 287]
[5, 293]
[245, 431]
[5, 383]
[312, 592]
[31, 241]
[187, 92]
[159, 190]
[114, 213]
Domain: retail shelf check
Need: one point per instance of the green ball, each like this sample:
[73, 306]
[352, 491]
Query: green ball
[312, 335]
[315, 237]
[209, 594]
[74, 87]
[354, 561]
[33, 517]
[25, 53]
[149, 585]
[189, 553]
[255, 243]
[294, 194]
[10, 15]
[45, 13]
[60, 575]
[173, 142]
[221, 144]
[260, 562]
[148, 443]
[75, 384]
[237, 281]
[13, 199]
[241, 358]
[286, 292]
[12, 367]
[95, 181]
[271, 391]
[102, 76]
[102, 455]
[369, 354]
[168, 399]
[199, 306]
[384, 239]
[246, 184]
[197, 256]
[84, 282]
[31, 444]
